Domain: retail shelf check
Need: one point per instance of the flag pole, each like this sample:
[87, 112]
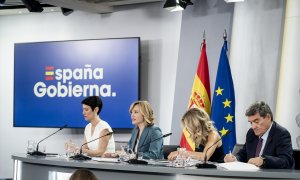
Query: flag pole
[203, 37]
[225, 35]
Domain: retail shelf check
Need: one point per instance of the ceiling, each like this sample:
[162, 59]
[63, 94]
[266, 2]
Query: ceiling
[93, 6]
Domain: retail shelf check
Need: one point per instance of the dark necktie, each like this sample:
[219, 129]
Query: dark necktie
[258, 147]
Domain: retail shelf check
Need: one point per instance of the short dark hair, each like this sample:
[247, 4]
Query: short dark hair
[93, 102]
[259, 107]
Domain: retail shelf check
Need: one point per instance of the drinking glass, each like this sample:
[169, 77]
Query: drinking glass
[70, 148]
[182, 158]
[124, 154]
[140, 155]
[31, 145]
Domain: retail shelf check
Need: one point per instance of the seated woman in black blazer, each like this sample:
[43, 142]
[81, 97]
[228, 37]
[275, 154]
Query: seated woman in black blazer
[204, 134]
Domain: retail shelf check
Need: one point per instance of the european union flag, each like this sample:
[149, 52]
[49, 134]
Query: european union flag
[223, 105]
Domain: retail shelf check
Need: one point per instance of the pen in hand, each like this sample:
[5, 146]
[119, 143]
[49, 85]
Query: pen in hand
[230, 157]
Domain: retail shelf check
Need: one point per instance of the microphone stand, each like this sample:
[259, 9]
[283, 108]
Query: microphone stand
[82, 157]
[39, 153]
[205, 165]
[136, 160]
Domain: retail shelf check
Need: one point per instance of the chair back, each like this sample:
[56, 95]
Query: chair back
[296, 155]
[167, 149]
[237, 148]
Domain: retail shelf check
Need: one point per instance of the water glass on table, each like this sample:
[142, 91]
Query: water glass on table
[140, 155]
[31, 145]
[124, 154]
[71, 148]
[182, 158]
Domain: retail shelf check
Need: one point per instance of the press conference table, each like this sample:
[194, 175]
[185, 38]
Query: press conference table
[30, 168]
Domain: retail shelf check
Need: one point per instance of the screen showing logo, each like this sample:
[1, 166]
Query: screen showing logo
[52, 78]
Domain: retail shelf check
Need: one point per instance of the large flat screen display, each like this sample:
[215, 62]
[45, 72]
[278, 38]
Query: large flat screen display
[52, 78]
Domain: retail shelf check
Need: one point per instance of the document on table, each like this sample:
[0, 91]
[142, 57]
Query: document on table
[114, 160]
[238, 166]
[158, 162]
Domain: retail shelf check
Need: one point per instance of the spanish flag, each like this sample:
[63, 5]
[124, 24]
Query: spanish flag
[200, 95]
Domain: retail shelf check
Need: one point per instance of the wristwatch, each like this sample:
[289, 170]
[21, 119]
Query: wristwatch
[264, 160]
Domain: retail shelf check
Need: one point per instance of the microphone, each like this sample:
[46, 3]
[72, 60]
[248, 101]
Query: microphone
[80, 156]
[205, 164]
[136, 160]
[37, 152]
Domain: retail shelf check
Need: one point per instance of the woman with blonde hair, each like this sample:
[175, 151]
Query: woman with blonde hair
[204, 135]
[145, 132]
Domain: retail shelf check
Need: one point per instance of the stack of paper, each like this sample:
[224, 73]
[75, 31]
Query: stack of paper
[238, 166]
[158, 162]
[105, 159]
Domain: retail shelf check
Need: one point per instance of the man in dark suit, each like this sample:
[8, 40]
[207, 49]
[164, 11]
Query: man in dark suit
[268, 145]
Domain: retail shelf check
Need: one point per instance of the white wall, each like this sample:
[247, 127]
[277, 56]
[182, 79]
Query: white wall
[213, 16]
[255, 56]
[159, 31]
[288, 98]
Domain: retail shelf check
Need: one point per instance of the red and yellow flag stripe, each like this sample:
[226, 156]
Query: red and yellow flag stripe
[200, 95]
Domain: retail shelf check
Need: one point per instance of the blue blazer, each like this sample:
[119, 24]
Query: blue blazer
[278, 151]
[153, 150]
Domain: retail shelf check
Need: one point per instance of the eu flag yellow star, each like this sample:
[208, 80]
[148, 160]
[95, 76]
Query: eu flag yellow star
[219, 91]
[223, 131]
[229, 118]
[226, 103]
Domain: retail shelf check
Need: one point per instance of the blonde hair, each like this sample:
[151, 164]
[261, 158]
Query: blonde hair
[198, 122]
[146, 111]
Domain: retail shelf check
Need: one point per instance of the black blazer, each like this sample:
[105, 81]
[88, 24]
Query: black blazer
[278, 151]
